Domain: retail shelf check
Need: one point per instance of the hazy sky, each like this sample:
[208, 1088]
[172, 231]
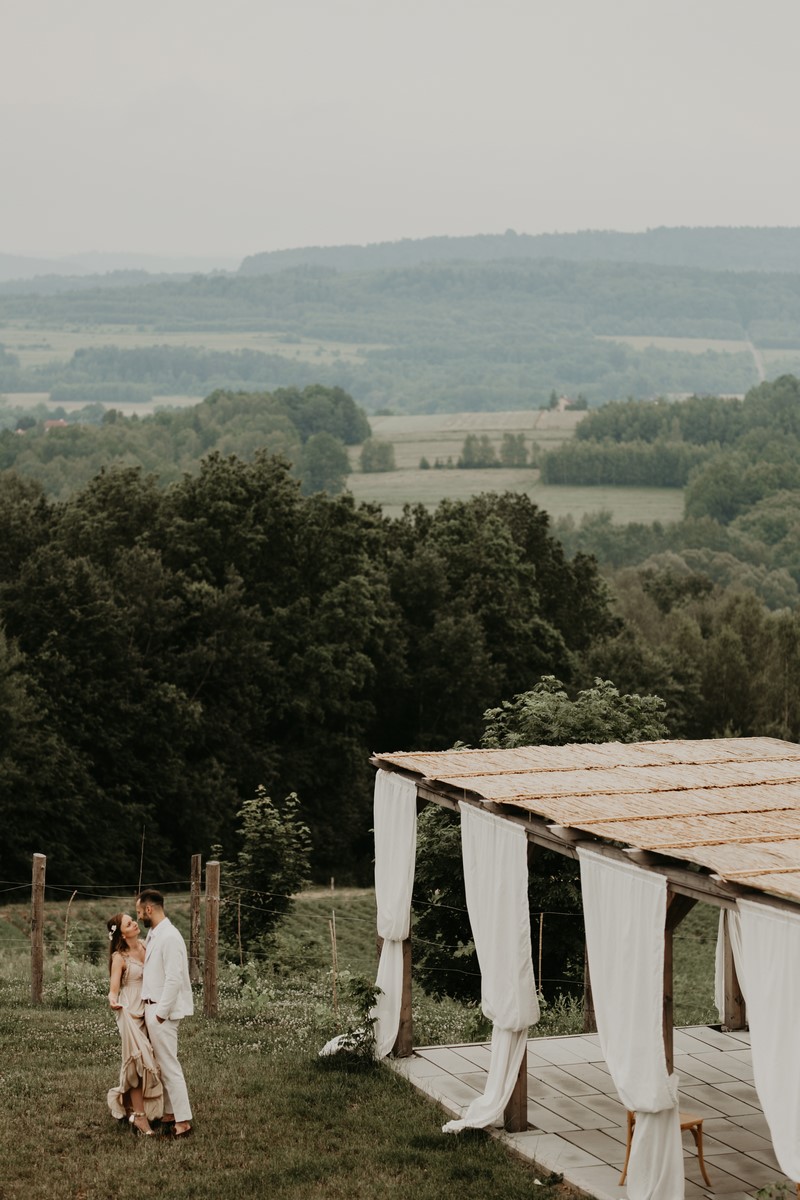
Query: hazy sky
[233, 126]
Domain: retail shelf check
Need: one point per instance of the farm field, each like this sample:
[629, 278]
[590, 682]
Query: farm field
[441, 435]
[38, 344]
[393, 489]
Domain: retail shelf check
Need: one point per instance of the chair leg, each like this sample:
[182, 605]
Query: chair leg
[697, 1133]
[623, 1176]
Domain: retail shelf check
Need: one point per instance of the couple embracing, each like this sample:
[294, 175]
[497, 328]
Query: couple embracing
[150, 993]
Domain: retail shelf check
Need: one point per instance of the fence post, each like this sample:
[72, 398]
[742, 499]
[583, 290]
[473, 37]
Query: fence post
[37, 927]
[194, 920]
[210, 998]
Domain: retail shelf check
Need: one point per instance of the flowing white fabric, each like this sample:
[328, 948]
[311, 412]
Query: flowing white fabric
[624, 912]
[770, 958]
[395, 822]
[395, 815]
[729, 921]
[495, 854]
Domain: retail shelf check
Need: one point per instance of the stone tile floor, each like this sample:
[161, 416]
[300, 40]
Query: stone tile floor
[577, 1124]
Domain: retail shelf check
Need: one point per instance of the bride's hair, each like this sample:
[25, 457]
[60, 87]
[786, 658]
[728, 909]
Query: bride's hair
[115, 939]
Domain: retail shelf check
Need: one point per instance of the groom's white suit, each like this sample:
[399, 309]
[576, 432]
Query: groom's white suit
[167, 996]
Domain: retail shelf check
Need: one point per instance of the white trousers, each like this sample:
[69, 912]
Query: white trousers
[164, 1040]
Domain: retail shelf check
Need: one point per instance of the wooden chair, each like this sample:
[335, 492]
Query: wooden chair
[688, 1121]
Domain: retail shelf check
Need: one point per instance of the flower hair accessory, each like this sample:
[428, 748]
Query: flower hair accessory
[111, 933]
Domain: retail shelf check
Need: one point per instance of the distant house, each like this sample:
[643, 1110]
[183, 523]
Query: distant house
[59, 424]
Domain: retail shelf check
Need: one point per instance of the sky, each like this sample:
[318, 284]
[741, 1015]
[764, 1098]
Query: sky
[229, 127]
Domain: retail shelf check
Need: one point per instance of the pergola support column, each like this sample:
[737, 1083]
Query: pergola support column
[677, 908]
[734, 1014]
[516, 1114]
[404, 1044]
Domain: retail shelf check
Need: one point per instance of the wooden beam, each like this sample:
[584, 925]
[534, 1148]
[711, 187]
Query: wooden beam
[678, 906]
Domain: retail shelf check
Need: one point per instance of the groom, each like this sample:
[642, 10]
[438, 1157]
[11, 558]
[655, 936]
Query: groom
[167, 996]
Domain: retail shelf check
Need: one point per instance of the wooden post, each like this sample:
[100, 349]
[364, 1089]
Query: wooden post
[516, 1114]
[677, 908]
[37, 927]
[210, 996]
[404, 1043]
[194, 919]
[589, 1019]
[734, 1013]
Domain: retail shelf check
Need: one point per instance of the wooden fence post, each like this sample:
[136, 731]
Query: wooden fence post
[194, 919]
[210, 997]
[37, 927]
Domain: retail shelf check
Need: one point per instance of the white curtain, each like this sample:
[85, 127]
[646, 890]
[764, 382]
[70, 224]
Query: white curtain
[495, 854]
[769, 972]
[625, 910]
[395, 817]
[395, 823]
[728, 922]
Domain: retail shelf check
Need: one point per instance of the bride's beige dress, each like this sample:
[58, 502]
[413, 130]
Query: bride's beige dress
[138, 1061]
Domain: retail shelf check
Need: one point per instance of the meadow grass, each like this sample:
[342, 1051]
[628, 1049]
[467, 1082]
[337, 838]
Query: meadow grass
[272, 1118]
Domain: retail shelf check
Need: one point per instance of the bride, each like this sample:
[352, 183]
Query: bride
[139, 1093]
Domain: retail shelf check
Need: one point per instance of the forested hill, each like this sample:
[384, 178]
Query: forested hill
[716, 248]
[443, 336]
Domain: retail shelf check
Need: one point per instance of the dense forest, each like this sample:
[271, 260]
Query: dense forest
[167, 648]
[166, 651]
[310, 428]
[441, 336]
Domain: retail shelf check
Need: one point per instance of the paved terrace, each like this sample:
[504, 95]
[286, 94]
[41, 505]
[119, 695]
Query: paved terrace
[577, 1124]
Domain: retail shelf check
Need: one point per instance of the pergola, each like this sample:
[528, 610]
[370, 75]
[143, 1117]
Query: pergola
[719, 819]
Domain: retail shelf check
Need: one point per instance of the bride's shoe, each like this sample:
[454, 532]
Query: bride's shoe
[137, 1129]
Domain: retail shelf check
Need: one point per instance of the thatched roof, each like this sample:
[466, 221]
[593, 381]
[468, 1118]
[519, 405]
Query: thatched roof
[728, 805]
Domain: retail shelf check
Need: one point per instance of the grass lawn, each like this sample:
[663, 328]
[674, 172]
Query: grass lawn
[272, 1119]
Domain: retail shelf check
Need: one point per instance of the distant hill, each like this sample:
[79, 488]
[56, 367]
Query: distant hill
[20, 267]
[715, 248]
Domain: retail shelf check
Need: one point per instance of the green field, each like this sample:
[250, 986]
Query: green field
[38, 344]
[441, 436]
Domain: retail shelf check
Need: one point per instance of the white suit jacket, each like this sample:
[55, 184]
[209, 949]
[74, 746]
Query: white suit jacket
[166, 972]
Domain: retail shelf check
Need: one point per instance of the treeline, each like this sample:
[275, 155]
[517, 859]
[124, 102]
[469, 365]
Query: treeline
[728, 453]
[165, 651]
[110, 374]
[621, 464]
[310, 428]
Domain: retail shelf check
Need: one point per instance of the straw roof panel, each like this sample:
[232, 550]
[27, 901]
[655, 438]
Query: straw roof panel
[729, 805]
